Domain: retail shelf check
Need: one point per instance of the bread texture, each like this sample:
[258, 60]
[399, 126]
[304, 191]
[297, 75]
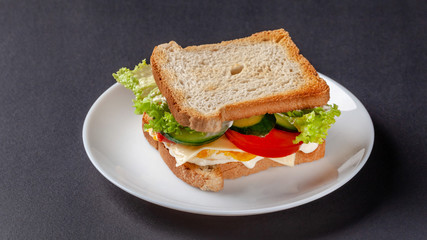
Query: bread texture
[209, 84]
[211, 178]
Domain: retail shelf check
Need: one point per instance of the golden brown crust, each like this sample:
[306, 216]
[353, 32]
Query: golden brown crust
[314, 93]
[309, 157]
[211, 178]
[234, 170]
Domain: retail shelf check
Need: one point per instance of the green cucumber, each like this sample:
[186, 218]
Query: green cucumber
[247, 122]
[283, 123]
[256, 125]
[191, 138]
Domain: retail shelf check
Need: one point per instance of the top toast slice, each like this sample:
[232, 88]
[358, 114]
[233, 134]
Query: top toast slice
[208, 84]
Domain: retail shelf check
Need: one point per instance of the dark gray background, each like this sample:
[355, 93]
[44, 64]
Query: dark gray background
[57, 57]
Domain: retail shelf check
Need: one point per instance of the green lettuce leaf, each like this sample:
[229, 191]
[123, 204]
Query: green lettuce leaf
[148, 98]
[155, 105]
[313, 124]
[140, 80]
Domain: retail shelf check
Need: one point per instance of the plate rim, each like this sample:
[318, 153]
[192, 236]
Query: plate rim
[241, 212]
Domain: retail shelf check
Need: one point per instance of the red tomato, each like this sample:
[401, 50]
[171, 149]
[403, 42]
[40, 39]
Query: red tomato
[275, 144]
[162, 138]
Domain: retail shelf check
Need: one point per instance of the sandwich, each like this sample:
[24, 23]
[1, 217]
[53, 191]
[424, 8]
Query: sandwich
[231, 109]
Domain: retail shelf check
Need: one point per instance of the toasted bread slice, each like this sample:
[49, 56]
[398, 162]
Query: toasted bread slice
[211, 178]
[208, 84]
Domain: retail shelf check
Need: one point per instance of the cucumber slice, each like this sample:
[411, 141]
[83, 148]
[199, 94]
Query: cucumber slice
[256, 125]
[283, 123]
[196, 138]
[192, 139]
[247, 122]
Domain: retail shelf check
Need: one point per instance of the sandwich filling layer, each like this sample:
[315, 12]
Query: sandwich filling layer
[223, 151]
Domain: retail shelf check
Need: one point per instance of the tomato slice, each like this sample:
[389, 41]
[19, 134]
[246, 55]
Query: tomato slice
[275, 144]
[162, 138]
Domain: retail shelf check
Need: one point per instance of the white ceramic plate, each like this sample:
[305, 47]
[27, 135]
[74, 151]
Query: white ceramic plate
[114, 142]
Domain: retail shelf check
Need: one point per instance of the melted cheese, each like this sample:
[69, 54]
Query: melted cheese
[221, 151]
[308, 148]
